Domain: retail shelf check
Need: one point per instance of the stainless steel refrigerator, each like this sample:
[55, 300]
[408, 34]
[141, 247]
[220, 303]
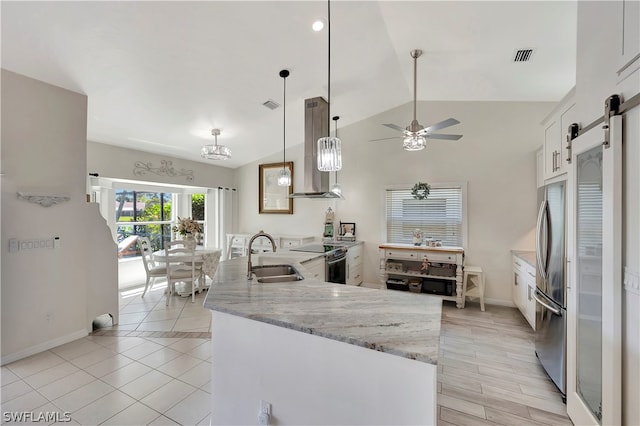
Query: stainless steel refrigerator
[551, 291]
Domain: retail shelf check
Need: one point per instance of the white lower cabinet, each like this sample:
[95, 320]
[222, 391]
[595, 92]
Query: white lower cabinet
[354, 265]
[523, 286]
[316, 267]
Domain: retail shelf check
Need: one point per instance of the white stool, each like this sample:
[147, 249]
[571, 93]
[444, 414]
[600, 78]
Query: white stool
[477, 288]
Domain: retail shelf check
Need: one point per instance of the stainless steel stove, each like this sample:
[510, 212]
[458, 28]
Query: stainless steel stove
[335, 259]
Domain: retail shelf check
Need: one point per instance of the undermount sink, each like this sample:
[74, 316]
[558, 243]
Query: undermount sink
[276, 273]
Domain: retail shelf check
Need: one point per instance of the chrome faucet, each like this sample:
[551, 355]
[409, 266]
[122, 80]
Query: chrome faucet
[259, 234]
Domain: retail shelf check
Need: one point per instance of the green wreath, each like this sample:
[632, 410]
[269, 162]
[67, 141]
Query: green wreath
[420, 191]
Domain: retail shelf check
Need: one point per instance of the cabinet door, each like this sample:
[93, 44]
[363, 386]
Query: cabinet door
[551, 149]
[517, 289]
[354, 265]
[316, 267]
[630, 48]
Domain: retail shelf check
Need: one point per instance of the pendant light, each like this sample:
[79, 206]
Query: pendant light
[329, 148]
[284, 177]
[336, 188]
[215, 151]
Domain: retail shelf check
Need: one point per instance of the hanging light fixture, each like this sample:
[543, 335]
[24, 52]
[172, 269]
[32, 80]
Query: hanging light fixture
[336, 188]
[329, 148]
[215, 151]
[284, 177]
[414, 141]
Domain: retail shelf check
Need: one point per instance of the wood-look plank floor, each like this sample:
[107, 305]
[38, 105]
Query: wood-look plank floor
[488, 373]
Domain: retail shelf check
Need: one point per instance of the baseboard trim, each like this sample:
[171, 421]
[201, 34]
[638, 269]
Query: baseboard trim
[44, 346]
[499, 302]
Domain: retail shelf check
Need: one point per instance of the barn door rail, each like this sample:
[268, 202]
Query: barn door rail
[613, 105]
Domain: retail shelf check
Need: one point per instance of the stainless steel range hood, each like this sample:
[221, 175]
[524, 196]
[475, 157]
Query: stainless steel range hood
[316, 125]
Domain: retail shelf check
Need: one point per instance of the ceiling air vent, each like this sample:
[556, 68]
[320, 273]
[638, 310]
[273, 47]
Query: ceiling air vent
[523, 55]
[271, 104]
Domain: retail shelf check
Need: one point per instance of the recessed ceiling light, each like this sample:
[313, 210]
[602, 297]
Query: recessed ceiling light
[318, 25]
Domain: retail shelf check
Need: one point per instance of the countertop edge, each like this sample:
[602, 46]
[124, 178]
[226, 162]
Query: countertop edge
[361, 341]
[528, 256]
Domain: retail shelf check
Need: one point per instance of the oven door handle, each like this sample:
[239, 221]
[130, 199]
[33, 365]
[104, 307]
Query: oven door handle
[334, 261]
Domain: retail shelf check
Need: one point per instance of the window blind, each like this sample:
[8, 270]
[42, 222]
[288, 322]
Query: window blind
[438, 217]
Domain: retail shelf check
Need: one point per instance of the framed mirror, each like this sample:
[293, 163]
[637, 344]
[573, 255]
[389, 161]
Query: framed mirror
[271, 197]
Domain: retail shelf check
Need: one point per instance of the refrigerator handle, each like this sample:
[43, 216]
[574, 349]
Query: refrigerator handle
[556, 311]
[542, 268]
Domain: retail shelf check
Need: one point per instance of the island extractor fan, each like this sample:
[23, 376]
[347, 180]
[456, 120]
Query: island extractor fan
[415, 135]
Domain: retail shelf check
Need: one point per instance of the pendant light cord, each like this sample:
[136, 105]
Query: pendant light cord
[415, 85]
[329, 67]
[284, 122]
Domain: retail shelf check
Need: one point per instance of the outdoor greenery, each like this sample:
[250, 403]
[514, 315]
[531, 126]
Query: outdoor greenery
[157, 208]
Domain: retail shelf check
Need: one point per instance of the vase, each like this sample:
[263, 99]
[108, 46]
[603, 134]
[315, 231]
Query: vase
[189, 240]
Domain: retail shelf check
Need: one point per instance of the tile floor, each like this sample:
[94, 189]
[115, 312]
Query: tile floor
[151, 314]
[154, 368]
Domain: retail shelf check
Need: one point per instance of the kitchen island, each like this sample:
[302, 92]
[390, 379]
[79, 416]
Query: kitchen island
[319, 352]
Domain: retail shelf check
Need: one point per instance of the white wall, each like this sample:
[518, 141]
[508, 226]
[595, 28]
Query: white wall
[312, 380]
[117, 162]
[308, 214]
[45, 291]
[496, 157]
[598, 60]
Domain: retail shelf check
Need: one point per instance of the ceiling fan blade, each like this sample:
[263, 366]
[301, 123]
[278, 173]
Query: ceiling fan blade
[440, 136]
[394, 127]
[385, 139]
[441, 125]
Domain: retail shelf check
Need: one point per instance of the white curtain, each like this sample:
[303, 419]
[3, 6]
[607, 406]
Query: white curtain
[222, 214]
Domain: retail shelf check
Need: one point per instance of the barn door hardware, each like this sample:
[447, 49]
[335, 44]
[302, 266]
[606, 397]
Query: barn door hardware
[574, 131]
[612, 106]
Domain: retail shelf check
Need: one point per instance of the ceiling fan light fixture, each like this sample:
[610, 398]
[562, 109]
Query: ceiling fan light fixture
[414, 143]
[215, 151]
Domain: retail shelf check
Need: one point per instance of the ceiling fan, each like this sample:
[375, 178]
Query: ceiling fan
[415, 135]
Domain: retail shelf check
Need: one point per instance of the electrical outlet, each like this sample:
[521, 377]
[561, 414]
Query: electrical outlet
[14, 245]
[265, 407]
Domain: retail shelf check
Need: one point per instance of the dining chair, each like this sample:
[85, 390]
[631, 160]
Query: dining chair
[182, 268]
[190, 244]
[151, 267]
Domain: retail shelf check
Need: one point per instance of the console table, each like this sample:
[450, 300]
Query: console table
[404, 261]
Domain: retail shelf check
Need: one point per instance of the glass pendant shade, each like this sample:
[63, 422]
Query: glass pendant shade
[284, 177]
[414, 143]
[329, 154]
[215, 151]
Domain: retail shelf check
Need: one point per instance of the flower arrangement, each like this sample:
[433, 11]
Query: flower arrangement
[420, 191]
[187, 226]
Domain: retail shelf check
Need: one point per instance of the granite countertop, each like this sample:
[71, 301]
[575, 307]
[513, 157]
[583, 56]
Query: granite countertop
[526, 255]
[398, 323]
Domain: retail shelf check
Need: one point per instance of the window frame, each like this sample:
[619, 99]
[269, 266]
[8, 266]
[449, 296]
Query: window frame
[404, 187]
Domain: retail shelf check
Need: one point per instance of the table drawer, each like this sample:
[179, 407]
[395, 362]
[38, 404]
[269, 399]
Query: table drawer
[402, 254]
[441, 257]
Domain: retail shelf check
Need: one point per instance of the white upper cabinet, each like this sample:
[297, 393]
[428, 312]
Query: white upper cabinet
[556, 128]
[629, 59]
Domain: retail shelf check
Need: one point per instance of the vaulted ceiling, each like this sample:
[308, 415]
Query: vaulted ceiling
[160, 75]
